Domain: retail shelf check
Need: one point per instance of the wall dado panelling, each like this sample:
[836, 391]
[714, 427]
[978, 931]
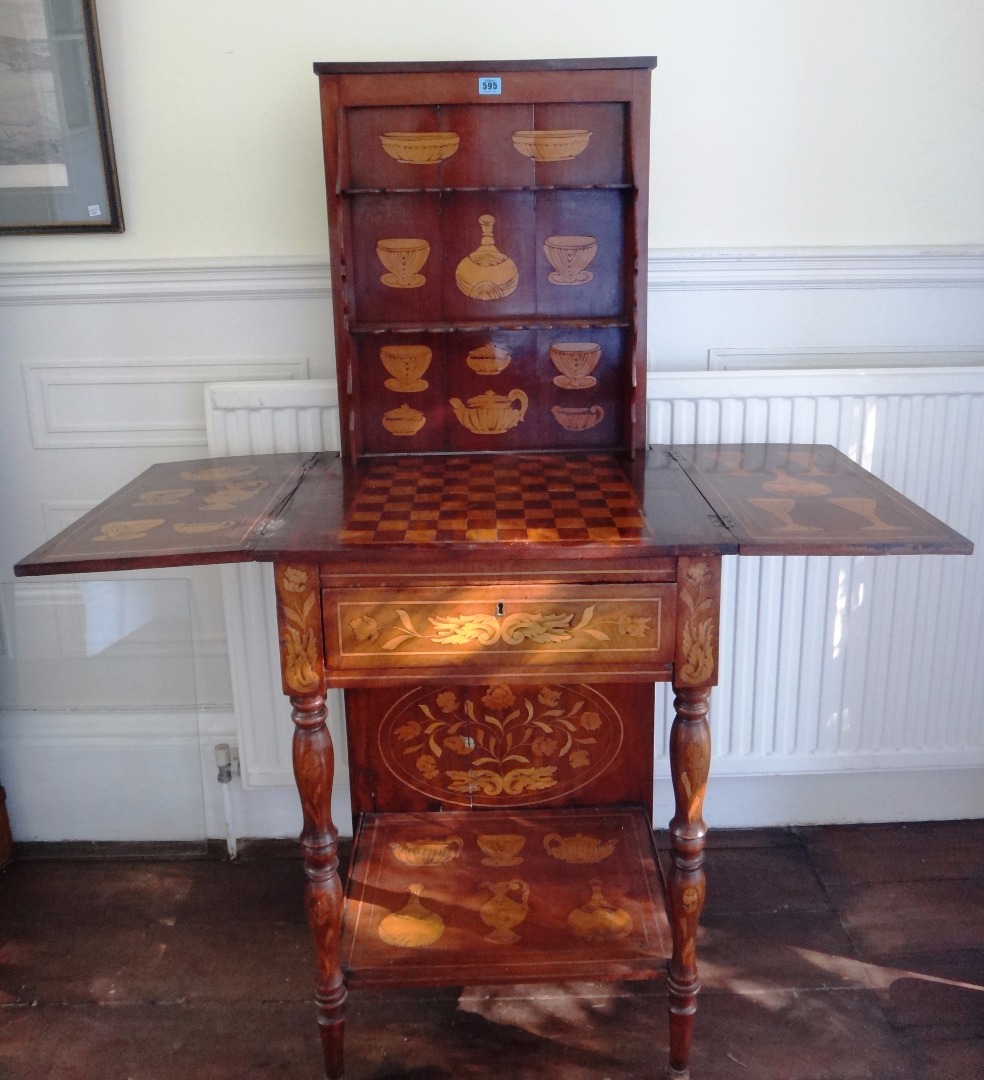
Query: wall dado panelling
[108, 688]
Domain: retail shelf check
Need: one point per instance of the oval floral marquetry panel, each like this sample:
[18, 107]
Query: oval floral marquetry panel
[500, 745]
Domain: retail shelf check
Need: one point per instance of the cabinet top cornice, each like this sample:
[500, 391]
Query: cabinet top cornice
[604, 63]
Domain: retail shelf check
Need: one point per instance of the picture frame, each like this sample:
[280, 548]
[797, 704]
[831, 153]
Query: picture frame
[57, 166]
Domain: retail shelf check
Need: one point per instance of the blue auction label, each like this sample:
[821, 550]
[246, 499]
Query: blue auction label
[490, 84]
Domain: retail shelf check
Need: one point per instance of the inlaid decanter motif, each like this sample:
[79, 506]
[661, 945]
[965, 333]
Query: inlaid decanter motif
[413, 926]
[487, 274]
[599, 920]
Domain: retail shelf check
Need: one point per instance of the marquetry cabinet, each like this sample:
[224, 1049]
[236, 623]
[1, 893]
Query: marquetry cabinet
[496, 569]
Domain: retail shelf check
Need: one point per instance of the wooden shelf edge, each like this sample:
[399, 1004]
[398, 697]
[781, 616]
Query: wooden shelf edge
[459, 914]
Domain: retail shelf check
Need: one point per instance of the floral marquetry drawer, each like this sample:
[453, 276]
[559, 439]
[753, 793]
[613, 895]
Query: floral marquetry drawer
[606, 630]
[465, 896]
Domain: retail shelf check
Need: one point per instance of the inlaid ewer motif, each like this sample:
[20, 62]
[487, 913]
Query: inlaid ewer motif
[491, 413]
[413, 926]
[406, 364]
[578, 848]
[508, 907]
[569, 257]
[487, 274]
[403, 258]
[575, 360]
[427, 852]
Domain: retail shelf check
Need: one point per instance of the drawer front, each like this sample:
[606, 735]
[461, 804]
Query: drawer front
[488, 630]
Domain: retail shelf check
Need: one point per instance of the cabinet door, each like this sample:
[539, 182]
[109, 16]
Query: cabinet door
[500, 745]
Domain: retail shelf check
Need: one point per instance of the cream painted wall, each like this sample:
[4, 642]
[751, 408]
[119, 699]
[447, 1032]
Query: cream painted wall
[777, 123]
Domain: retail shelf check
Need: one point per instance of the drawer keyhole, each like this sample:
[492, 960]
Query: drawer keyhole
[500, 608]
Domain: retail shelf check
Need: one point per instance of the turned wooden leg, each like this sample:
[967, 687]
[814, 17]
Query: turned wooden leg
[314, 766]
[302, 666]
[690, 752]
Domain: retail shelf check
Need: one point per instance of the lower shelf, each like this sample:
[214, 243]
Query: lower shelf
[504, 896]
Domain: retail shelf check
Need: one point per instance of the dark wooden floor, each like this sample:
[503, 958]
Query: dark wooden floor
[828, 954]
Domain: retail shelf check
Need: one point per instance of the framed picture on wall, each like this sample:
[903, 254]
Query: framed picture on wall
[57, 169]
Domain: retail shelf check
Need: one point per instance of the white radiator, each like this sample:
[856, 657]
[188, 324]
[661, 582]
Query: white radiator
[269, 418]
[849, 663]
[828, 664]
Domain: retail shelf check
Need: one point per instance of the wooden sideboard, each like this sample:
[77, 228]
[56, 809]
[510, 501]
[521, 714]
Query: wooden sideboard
[497, 570]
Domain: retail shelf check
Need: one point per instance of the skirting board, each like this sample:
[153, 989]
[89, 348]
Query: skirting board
[73, 776]
[105, 776]
[749, 802]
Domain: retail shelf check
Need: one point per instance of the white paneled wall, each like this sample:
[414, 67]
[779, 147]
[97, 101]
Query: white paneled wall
[102, 373]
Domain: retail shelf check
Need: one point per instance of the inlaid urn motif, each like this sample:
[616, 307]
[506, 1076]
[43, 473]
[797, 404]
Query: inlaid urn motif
[406, 364]
[404, 420]
[501, 849]
[487, 274]
[403, 258]
[575, 360]
[488, 360]
[569, 257]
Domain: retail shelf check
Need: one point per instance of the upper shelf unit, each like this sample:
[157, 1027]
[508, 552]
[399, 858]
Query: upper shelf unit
[479, 212]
